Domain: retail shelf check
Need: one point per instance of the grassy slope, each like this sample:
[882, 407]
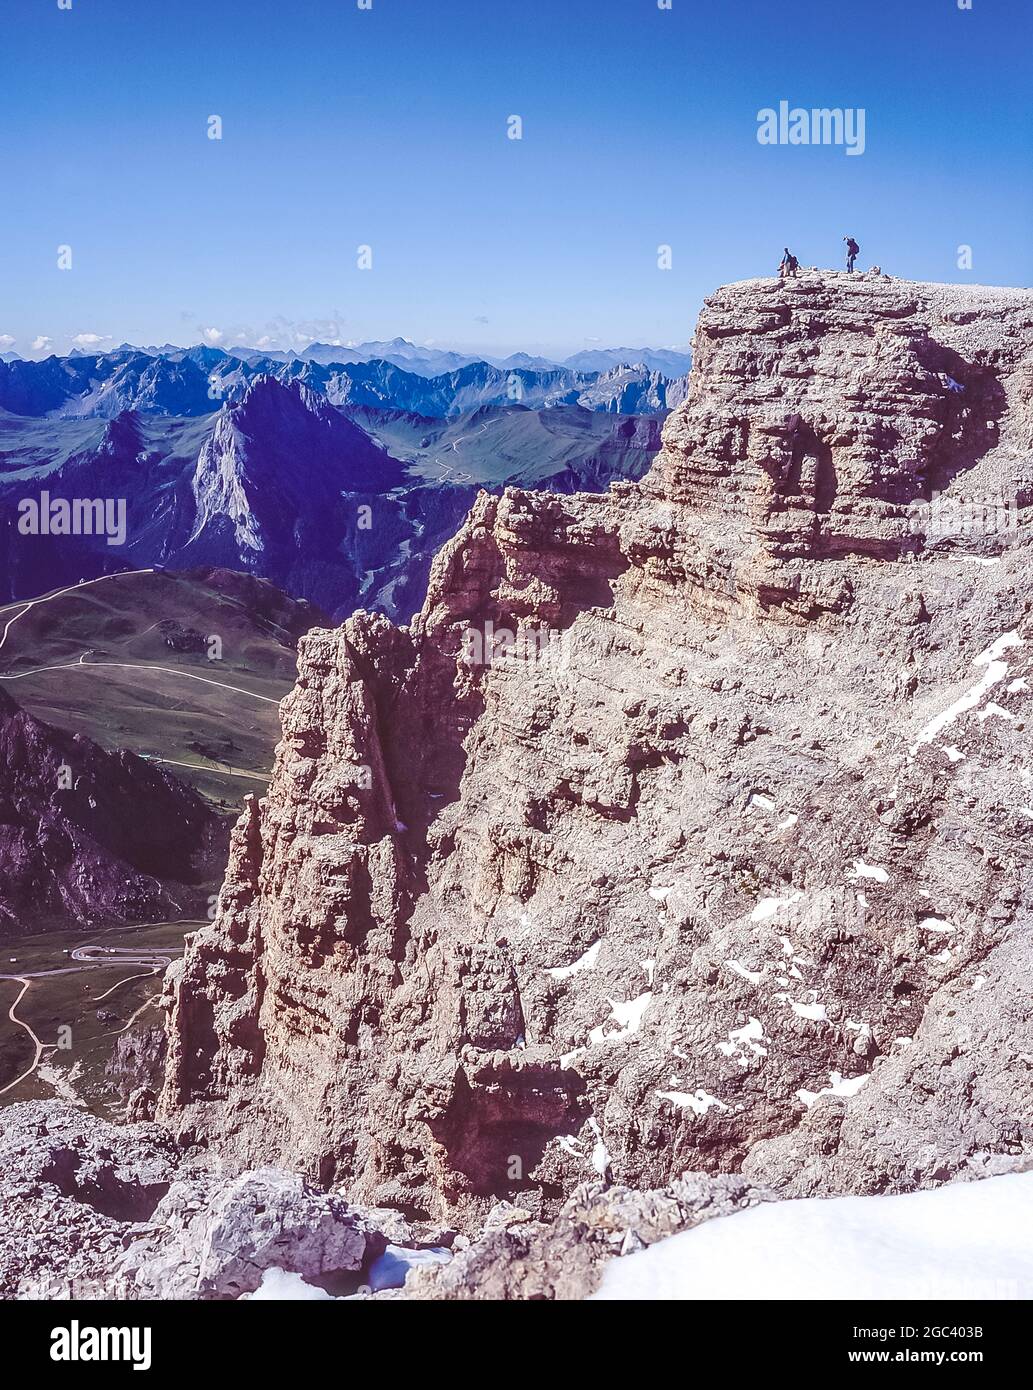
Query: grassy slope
[154, 714]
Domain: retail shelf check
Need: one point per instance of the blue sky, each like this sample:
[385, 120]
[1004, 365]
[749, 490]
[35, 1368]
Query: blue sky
[387, 128]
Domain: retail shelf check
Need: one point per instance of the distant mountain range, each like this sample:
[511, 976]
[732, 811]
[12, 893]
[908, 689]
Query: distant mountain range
[430, 361]
[341, 504]
[195, 381]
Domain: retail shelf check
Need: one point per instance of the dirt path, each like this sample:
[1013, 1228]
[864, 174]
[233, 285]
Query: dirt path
[83, 665]
[21, 1024]
[26, 604]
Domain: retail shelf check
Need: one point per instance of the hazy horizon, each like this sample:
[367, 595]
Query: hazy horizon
[468, 348]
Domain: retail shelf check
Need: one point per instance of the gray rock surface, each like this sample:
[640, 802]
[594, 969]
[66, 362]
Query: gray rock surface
[98, 1211]
[564, 1259]
[208, 1241]
[70, 1187]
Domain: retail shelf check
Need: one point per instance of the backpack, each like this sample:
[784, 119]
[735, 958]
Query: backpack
[852, 247]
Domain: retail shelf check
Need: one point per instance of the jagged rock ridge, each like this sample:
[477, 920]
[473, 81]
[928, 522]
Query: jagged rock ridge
[728, 870]
[336, 505]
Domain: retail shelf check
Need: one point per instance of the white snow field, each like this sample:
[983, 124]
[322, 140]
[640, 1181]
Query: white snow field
[280, 1285]
[971, 1240]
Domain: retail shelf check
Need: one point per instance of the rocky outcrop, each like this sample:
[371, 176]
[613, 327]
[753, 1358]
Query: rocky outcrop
[687, 825]
[135, 1068]
[515, 1257]
[70, 1185]
[90, 1210]
[216, 1239]
[86, 833]
[98, 1211]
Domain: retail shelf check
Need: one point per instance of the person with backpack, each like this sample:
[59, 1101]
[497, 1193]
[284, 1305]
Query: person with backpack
[788, 265]
[852, 251]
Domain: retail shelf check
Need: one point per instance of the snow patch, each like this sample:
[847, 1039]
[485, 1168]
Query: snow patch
[745, 1042]
[752, 975]
[600, 1153]
[627, 1015]
[997, 649]
[996, 670]
[810, 1009]
[995, 710]
[278, 1284]
[585, 962]
[768, 907]
[840, 1087]
[391, 1269]
[969, 1240]
[875, 871]
[697, 1101]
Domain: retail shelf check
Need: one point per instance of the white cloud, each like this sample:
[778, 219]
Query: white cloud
[6, 341]
[89, 340]
[287, 333]
[43, 343]
[280, 334]
[212, 336]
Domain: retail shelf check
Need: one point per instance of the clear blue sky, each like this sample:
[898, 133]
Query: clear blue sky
[388, 127]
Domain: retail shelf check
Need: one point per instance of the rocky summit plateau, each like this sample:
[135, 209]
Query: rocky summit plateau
[673, 859]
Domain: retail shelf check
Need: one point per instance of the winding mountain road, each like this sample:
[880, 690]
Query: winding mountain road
[121, 955]
[87, 957]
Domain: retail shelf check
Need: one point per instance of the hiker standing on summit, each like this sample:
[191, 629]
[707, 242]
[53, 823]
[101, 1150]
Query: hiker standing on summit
[852, 250]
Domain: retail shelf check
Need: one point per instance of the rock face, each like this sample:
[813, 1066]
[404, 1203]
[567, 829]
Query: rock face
[90, 1210]
[85, 832]
[628, 390]
[94, 1210]
[720, 859]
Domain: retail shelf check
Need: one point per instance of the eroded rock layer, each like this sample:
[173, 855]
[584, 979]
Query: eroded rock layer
[721, 863]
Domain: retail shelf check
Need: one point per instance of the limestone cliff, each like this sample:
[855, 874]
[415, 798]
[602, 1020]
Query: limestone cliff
[720, 859]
